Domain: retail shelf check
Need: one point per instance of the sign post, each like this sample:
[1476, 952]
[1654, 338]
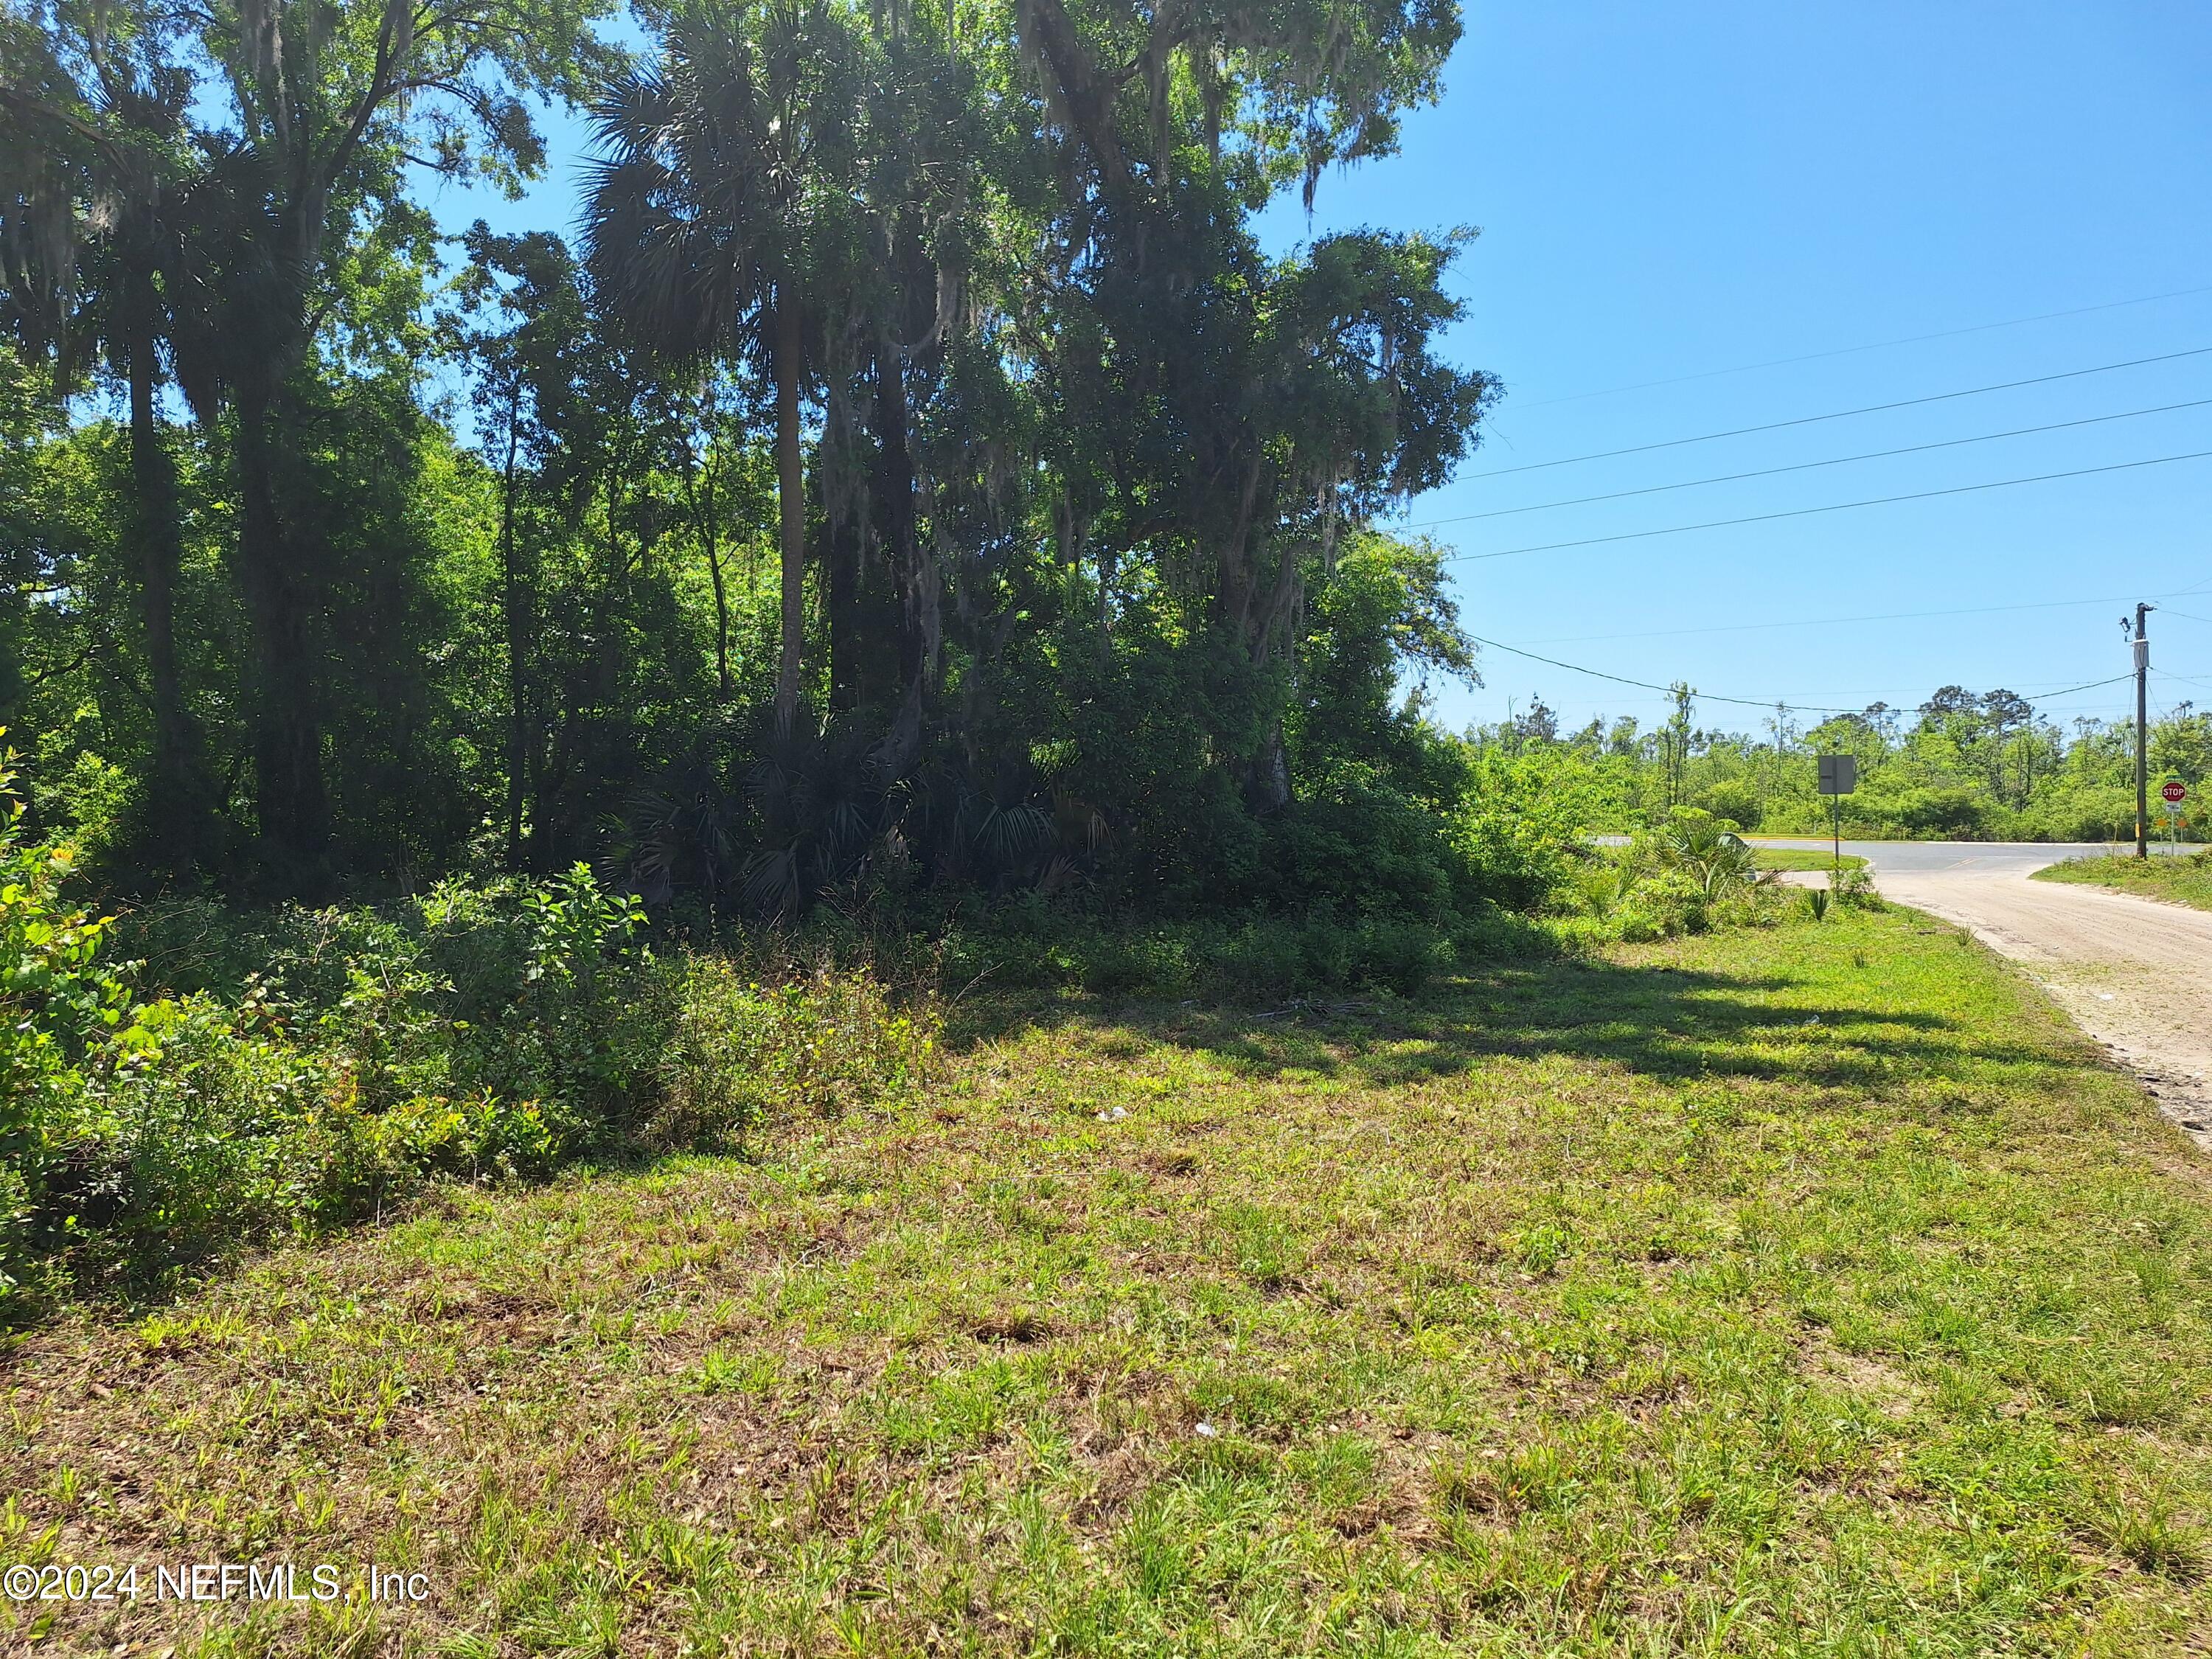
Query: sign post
[1839, 776]
[2173, 792]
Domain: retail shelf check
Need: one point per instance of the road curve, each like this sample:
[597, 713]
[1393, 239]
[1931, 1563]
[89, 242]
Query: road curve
[2135, 973]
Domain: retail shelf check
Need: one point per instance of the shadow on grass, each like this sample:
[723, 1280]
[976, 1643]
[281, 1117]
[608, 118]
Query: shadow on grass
[1658, 1021]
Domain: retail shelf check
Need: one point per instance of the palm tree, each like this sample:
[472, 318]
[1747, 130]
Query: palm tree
[724, 160]
[96, 193]
[309, 120]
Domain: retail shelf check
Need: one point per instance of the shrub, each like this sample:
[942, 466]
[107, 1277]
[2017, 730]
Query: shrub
[1689, 872]
[1706, 850]
[736, 1050]
[1517, 833]
[1604, 885]
[1735, 799]
[1949, 812]
[482, 1033]
[1357, 843]
[547, 993]
[57, 1005]
[1263, 956]
[1399, 957]
[1662, 904]
[1853, 885]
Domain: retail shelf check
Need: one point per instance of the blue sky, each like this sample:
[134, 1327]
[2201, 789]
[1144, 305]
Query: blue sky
[1665, 192]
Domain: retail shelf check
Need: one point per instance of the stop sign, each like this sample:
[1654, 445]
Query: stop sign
[2173, 793]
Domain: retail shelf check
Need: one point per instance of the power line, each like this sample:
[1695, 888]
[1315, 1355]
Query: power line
[1831, 622]
[1622, 679]
[1833, 507]
[1748, 702]
[1844, 414]
[1877, 345]
[1807, 466]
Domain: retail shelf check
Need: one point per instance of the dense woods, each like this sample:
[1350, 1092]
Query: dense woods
[898, 527]
[914, 474]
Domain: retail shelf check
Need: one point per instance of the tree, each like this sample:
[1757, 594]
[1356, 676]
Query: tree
[601, 470]
[1068, 479]
[1947, 702]
[97, 185]
[1258, 408]
[727, 157]
[1674, 737]
[314, 117]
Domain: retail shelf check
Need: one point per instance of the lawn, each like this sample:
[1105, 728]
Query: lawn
[1801, 858]
[1806, 1290]
[2187, 880]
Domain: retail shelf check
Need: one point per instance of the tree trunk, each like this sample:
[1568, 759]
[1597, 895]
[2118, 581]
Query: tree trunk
[517, 719]
[919, 623]
[790, 500]
[841, 535]
[1269, 790]
[290, 798]
[1086, 93]
[710, 527]
[176, 800]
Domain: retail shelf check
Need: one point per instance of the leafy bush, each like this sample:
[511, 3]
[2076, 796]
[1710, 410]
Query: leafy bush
[1853, 885]
[1943, 812]
[1662, 904]
[319, 1066]
[1356, 843]
[1707, 851]
[1689, 872]
[1735, 799]
[736, 1050]
[1604, 885]
[1522, 817]
[57, 1003]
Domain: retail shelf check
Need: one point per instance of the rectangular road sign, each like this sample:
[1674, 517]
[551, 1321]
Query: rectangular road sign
[1839, 774]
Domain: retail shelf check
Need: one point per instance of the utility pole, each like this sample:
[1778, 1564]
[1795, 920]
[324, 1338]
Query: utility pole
[1781, 719]
[2143, 732]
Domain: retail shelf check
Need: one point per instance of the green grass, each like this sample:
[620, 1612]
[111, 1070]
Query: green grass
[1801, 858]
[1805, 1291]
[2187, 880]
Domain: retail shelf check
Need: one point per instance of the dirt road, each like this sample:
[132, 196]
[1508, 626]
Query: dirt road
[2135, 973]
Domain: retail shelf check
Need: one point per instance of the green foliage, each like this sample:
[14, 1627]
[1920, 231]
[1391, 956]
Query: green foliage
[1259, 958]
[1689, 872]
[1708, 851]
[305, 1068]
[1520, 817]
[1735, 799]
[1853, 885]
[784, 566]
[1972, 767]
[737, 1051]
[59, 1004]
